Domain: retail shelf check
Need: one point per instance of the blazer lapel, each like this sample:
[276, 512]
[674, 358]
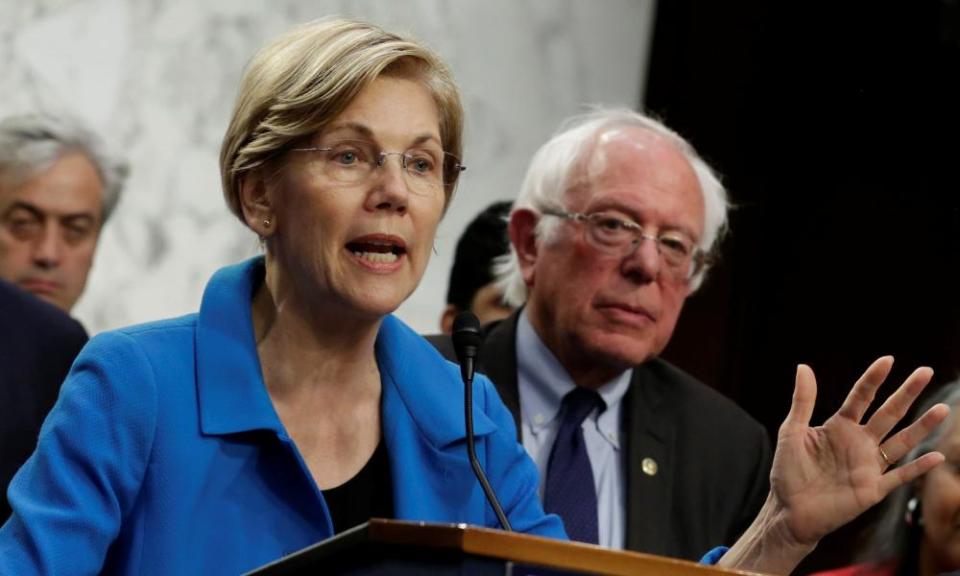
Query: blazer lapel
[423, 425]
[650, 436]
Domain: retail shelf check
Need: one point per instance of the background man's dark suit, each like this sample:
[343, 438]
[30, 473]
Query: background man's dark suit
[38, 343]
[712, 459]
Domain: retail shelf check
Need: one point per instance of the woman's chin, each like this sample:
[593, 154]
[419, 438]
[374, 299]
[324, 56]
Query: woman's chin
[375, 304]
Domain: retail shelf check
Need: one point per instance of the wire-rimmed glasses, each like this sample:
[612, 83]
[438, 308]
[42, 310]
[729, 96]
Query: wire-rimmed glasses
[429, 169]
[620, 237]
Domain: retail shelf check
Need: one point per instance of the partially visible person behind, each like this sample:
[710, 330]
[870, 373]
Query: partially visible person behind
[58, 186]
[38, 343]
[472, 282]
[918, 532]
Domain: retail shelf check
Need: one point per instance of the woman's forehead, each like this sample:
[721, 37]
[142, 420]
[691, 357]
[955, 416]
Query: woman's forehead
[392, 105]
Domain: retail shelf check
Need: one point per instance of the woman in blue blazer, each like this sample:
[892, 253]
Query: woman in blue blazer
[293, 405]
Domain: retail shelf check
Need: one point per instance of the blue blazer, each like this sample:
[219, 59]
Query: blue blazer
[164, 455]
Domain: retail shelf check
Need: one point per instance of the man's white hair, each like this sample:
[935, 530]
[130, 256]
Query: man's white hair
[32, 143]
[556, 163]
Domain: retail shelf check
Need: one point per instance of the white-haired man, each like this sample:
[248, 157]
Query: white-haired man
[611, 232]
[57, 189]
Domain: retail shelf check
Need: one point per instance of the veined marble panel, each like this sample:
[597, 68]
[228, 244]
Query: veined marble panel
[157, 79]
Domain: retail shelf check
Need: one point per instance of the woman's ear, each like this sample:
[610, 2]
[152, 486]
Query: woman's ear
[523, 235]
[257, 203]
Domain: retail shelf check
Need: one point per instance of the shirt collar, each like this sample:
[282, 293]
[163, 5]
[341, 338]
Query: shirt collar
[544, 382]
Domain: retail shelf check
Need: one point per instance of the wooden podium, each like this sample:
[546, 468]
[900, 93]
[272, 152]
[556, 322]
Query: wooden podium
[389, 547]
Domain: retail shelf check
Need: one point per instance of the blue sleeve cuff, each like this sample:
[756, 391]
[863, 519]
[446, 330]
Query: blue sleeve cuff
[714, 556]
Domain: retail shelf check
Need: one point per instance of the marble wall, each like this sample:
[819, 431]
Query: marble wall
[157, 78]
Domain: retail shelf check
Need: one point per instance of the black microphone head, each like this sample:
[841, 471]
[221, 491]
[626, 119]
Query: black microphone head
[466, 330]
[466, 335]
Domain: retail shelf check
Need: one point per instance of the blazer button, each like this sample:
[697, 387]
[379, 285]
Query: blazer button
[649, 466]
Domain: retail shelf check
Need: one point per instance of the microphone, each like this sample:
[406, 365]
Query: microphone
[466, 344]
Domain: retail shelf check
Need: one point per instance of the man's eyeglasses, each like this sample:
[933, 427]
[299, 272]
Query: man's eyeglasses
[619, 237]
[428, 169]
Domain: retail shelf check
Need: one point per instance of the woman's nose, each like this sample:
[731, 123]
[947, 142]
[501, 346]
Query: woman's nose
[391, 189]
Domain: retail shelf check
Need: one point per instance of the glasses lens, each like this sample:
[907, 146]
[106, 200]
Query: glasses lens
[610, 233]
[618, 236]
[348, 161]
[675, 250]
[424, 168]
[427, 169]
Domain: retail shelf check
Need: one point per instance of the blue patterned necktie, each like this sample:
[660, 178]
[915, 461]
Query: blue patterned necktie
[570, 491]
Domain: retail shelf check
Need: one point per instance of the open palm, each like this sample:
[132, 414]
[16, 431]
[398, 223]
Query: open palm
[825, 476]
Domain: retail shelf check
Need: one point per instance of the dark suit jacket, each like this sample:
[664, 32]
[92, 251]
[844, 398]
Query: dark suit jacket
[713, 459]
[38, 343]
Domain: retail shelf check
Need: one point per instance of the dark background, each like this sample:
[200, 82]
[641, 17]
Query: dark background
[835, 128]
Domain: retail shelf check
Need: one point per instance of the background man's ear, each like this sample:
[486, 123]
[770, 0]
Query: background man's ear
[523, 235]
[256, 201]
[446, 319]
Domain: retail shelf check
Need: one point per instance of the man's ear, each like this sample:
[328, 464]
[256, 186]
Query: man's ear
[523, 236]
[256, 201]
[446, 319]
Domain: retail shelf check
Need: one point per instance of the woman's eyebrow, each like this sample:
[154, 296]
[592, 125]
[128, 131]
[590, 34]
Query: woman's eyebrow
[361, 129]
[424, 138]
[364, 131]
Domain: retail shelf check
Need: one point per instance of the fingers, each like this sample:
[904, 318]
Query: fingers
[864, 390]
[804, 398]
[909, 472]
[896, 406]
[903, 441]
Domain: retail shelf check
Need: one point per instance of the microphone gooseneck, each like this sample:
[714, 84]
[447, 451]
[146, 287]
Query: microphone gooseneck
[466, 343]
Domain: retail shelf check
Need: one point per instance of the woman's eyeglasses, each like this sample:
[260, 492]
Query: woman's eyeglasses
[428, 169]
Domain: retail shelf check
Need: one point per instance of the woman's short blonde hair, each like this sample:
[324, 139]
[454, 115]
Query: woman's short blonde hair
[303, 80]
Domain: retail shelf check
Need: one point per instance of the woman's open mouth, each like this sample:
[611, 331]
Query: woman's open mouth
[378, 249]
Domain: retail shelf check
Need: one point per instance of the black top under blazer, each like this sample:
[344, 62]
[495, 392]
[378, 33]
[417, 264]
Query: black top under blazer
[713, 459]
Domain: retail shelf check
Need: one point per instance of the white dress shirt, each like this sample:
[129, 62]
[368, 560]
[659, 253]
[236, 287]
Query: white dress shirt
[543, 382]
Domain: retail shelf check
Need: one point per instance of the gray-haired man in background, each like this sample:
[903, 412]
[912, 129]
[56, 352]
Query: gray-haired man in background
[57, 189]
